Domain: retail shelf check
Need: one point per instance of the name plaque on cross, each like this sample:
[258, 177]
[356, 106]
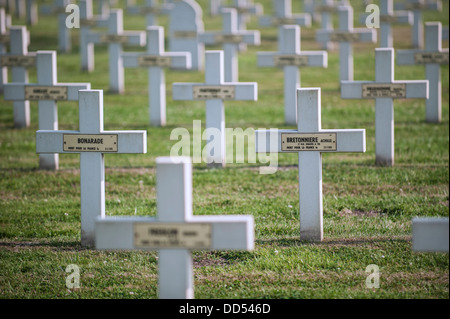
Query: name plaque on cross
[53, 93]
[431, 57]
[389, 90]
[90, 143]
[344, 37]
[228, 38]
[295, 142]
[153, 60]
[184, 34]
[114, 38]
[24, 61]
[213, 92]
[296, 60]
[172, 235]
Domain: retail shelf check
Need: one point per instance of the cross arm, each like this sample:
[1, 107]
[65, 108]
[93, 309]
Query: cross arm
[408, 57]
[412, 89]
[307, 58]
[16, 91]
[227, 232]
[350, 140]
[357, 35]
[128, 142]
[400, 17]
[300, 19]
[126, 37]
[242, 91]
[174, 60]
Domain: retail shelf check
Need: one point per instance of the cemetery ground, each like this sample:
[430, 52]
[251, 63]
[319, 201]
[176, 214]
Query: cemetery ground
[367, 208]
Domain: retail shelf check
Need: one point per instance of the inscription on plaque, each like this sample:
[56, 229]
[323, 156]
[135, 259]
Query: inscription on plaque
[384, 90]
[172, 235]
[431, 57]
[229, 38]
[148, 60]
[184, 34]
[25, 61]
[295, 142]
[344, 37]
[225, 92]
[90, 143]
[55, 93]
[113, 38]
[297, 60]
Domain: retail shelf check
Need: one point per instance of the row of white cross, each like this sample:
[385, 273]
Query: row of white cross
[175, 231]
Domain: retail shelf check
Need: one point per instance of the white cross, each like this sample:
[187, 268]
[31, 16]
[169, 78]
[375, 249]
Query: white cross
[4, 39]
[283, 15]
[32, 12]
[430, 234]
[384, 90]
[346, 35]
[231, 37]
[245, 9]
[115, 38]
[433, 56]
[310, 140]
[155, 59]
[91, 142]
[325, 8]
[388, 17]
[152, 10]
[214, 91]
[87, 22]
[417, 6]
[19, 60]
[291, 58]
[47, 91]
[175, 232]
[59, 8]
[185, 23]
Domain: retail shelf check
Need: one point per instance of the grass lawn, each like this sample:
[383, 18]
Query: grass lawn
[367, 208]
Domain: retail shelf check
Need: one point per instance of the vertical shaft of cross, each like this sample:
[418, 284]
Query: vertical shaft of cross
[19, 46]
[384, 110]
[290, 44]
[156, 78]
[310, 167]
[115, 50]
[174, 203]
[345, 48]
[92, 167]
[48, 111]
[433, 43]
[215, 111]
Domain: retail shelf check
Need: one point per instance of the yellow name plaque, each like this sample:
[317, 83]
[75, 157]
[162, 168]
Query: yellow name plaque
[25, 61]
[149, 60]
[90, 143]
[225, 92]
[296, 142]
[431, 57]
[52, 93]
[389, 90]
[297, 60]
[172, 235]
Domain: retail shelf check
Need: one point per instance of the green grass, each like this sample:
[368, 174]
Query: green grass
[367, 209]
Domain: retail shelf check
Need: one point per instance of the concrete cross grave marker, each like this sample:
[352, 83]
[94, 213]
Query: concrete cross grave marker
[31, 12]
[152, 10]
[291, 59]
[388, 17]
[309, 141]
[433, 56]
[175, 232]
[87, 22]
[245, 9]
[91, 142]
[326, 9]
[59, 8]
[19, 60]
[116, 38]
[4, 40]
[155, 60]
[346, 35]
[283, 15]
[384, 90]
[47, 91]
[231, 37]
[185, 23]
[214, 91]
[430, 234]
[417, 7]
